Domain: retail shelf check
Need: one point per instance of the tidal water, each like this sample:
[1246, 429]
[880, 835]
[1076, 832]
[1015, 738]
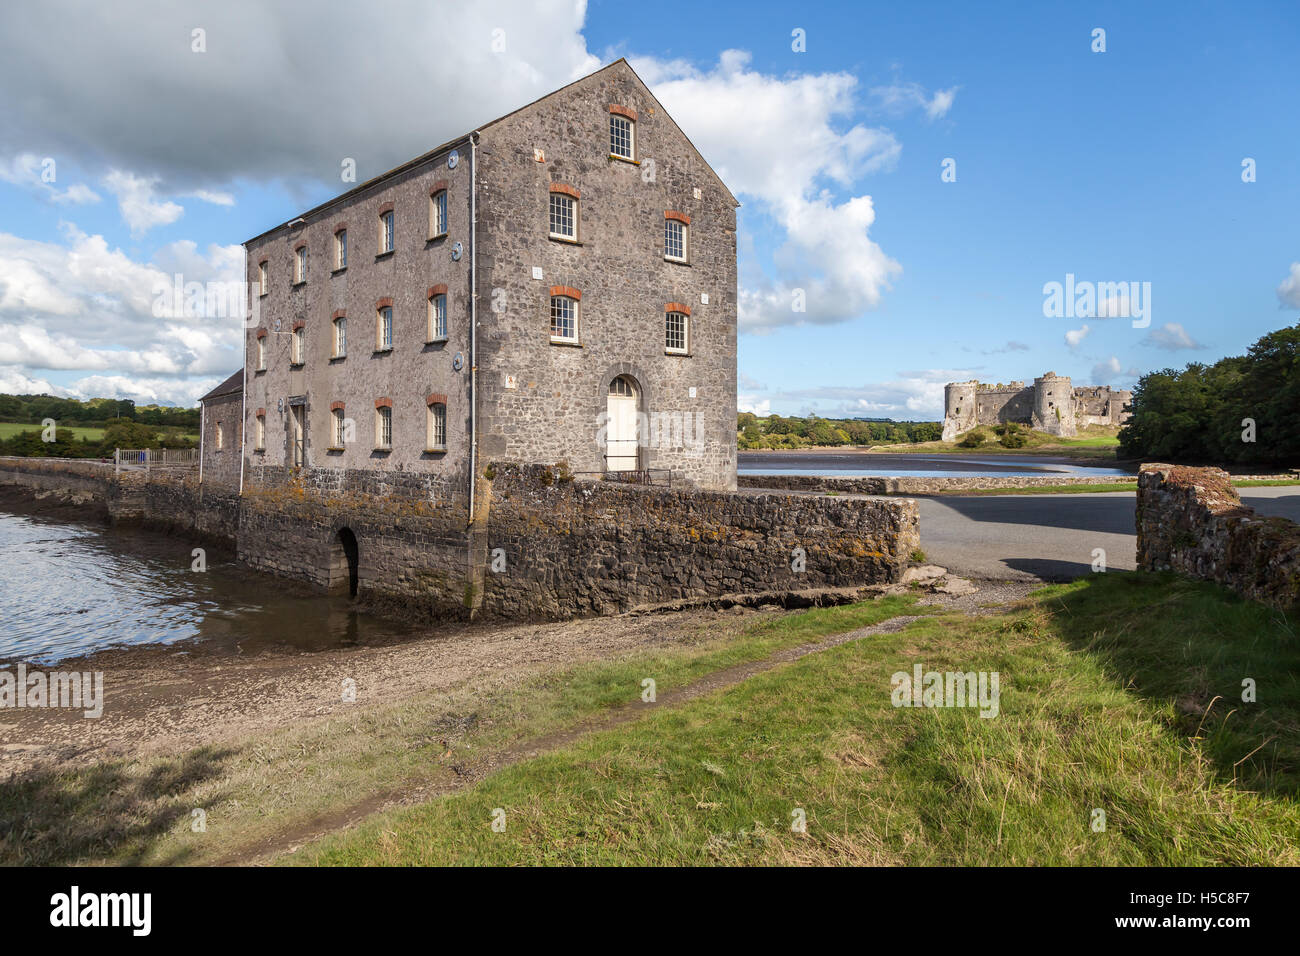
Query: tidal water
[860, 464]
[71, 589]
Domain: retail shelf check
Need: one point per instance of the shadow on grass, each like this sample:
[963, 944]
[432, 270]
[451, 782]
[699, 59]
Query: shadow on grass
[104, 812]
[1194, 650]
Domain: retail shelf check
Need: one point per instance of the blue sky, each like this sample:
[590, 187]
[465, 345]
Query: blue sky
[1115, 166]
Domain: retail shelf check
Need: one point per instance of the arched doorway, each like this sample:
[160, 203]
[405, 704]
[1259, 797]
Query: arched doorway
[621, 446]
[345, 563]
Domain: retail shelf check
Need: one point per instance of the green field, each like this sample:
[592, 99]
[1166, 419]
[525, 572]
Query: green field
[10, 429]
[93, 433]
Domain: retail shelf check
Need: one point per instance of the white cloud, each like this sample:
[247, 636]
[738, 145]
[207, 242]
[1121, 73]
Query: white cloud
[779, 143]
[915, 394]
[214, 197]
[1111, 372]
[749, 403]
[144, 391]
[899, 98]
[15, 381]
[34, 172]
[1288, 293]
[1172, 337]
[135, 199]
[1075, 336]
[81, 305]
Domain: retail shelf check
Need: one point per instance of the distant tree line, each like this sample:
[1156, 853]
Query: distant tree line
[778, 431]
[1243, 409]
[33, 409]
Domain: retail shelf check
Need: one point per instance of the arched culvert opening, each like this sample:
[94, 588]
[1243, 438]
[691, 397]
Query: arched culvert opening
[344, 567]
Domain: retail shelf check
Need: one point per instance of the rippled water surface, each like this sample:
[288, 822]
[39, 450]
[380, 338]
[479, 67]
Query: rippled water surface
[71, 589]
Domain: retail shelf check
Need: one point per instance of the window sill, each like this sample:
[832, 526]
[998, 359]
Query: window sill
[259, 451]
[383, 351]
[567, 240]
[338, 358]
[339, 271]
[299, 282]
[624, 159]
[259, 371]
[263, 295]
[382, 450]
[436, 451]
[571, 343]
[676, 353]
[294, 365]
[441, 340]
[435, 238]
[384, 255]
[677, 262]
[335, 450]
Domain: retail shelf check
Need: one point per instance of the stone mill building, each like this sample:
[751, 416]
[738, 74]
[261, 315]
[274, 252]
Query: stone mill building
[557, 285]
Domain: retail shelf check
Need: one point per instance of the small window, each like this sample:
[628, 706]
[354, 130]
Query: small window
[341, 249]
[675, 332]
[261, 355]
[263, 278]
[622, 387]
[621, 136]
[386, 232]
[438, 214]
[221, 436]
[384, 329]
[675, 240]
[564, 216]
[437, 427]
[340, 428]
[564, 319]
[300, 264]
[383, 427]
[438, 317]
[340, 336]
[260, 433]
[296, 347]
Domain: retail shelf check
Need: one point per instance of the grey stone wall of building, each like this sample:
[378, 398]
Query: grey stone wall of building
[544, 403]
[407, 375]
[1191, 521]
[221, 460]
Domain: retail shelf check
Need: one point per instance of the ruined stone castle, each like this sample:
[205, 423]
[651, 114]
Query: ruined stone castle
[1050, 405]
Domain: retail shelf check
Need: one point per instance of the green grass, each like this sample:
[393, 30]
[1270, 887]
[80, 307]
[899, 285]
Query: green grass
[10, 429]
[138, 811]
[1119, 693]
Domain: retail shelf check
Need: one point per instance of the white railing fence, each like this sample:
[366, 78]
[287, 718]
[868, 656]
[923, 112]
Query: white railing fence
[149, 459]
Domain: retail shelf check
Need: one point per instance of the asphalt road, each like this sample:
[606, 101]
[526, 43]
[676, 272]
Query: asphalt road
[1049, 536]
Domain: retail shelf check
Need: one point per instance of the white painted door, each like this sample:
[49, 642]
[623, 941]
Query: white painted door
[620, 433]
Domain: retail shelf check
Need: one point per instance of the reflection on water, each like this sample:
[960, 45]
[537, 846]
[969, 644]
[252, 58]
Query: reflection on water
[73, 589]
[859, 464]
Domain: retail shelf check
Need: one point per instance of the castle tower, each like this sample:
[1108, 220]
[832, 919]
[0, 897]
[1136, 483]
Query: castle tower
[1054, 405]
[959, 408]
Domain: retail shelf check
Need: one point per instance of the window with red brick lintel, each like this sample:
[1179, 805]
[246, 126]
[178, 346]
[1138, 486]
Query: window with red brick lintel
[622, 132]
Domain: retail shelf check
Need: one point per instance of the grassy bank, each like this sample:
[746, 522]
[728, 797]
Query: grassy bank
[1119, 693]
[1094, 442]
[139, 811]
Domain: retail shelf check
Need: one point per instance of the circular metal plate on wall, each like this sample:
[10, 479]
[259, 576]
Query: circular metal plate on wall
[457, 250]
[452, 159]
[458, 362]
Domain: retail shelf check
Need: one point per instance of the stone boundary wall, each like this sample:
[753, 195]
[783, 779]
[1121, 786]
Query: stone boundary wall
[1191, 521]
[545, 546]
[598, 547]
